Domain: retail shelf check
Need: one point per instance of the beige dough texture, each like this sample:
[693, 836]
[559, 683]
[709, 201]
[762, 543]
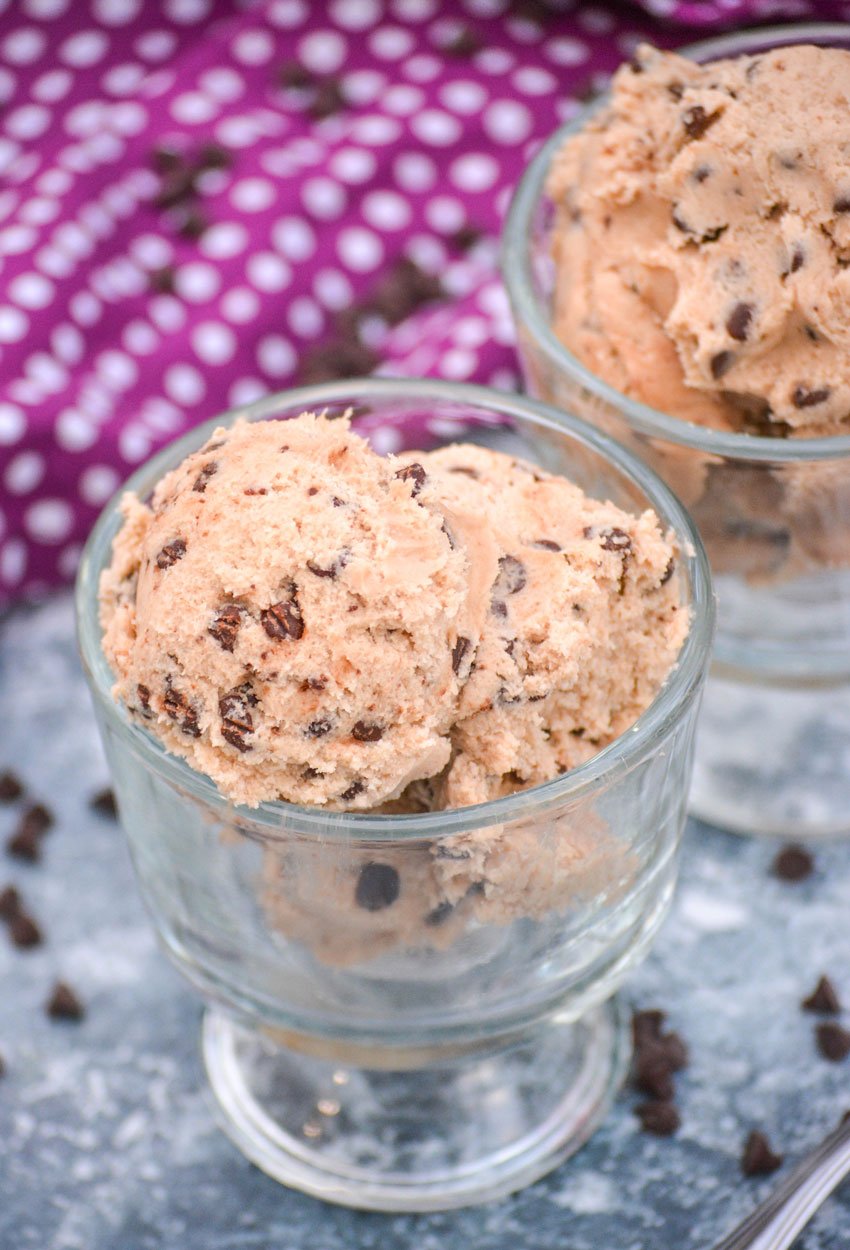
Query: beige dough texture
[305, 620]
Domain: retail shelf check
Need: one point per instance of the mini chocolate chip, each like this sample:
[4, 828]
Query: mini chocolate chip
[23, 930]
[833, 1041]
[318, 728]
[635, 66]
[798, 257]
[378, 886]
[226, 625]
[465, 470]
[721, 363]
[255, 490]
[842, 204]
[675, 89]
[701, 173]
[547, 544]
[668, 572]
[310, 773]
[652, 1074]
[823, 999]
[367, 731]
[459, 651]
[758, 1159]
[10, 902]
[11, 787]
[332, 570]
[614, 540]
[314, 490]
[511, 578]
[337, 503]
[209, 470]
[356, 787]
[25, 844]
[314, 683]
[498, 607]
[439, 914]
[144, 697]
[793, 863]
[805, 398]
[660, 1118]
[415, 474]
[696, 121]
[739, 320]
[284, 619]
[811, 333]
[38, 818]
[63, 1003]
[465, 238]
[104, 803]
[171, 553]
[712, 235]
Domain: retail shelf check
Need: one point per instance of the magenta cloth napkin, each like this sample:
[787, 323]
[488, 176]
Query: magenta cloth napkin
[124, 321]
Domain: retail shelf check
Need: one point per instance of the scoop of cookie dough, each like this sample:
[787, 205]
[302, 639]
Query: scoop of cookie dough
[305, 620]
[702, 242]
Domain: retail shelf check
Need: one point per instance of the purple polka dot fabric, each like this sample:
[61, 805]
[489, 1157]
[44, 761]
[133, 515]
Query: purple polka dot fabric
[120, 328]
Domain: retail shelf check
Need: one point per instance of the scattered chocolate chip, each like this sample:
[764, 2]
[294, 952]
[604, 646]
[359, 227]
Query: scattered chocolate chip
[793, 863]
[660, 1118]
[171, 553]
[465, 43]
[721, 363]
[465, 470]
[415, 474]
[833, 1041]
[294, 75]
[194, 224]
[214, 156]
[328, 99]
[823, 999]
[11, 787]
[38, 818]
[459, 651]
[23, 930]
[104, 803]
[668, 572]
[510, 580]
[758, 1159]
[378, 886]
[177, 186]
[842, 204]
[10, 902]
[226, 625]
[739, 320]
[803, 397]
[334, 361]
[209, 470]
[439, 914]
[647, 1025]
[696, 121]
[406, 288]
[547, 544]
[25, 844]
[165, 160]
[283, 619]
[63, 1003]
[466, 237]
[356, 787]
[653, 1075]
[318, 728]
[162, 280]
[367, 731]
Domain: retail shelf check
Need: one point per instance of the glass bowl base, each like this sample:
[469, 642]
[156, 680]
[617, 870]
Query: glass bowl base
[773, 759]
[456, 1132]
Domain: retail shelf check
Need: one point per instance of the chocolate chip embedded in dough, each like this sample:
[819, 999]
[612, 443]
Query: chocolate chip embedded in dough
[415, 474]
[806, 397]
[226, 625]
[367, 731]
[176, 705]
[356, 787]
[721, 363]
[171, 553]
[511, 578]
[842, 203]
[739, 321]
[378, 886]
[696, 121]
[209, 470]
[318, 728]
[283, 619]
[547, 544]
[459, 651]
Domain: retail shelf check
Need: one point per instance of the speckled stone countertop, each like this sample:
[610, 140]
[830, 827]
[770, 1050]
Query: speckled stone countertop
[107, 1140]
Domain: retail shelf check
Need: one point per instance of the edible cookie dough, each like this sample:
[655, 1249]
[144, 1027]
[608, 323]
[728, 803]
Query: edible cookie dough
[305, 620]
[703, 239]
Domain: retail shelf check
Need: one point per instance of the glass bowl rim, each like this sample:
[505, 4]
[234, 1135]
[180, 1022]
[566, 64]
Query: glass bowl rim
[279, 817]
[516, 264]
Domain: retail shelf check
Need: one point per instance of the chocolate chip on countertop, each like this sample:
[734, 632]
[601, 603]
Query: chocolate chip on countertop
[406, 288]
[171, 553]
[25, 844]
[63, 1003]
[721, 363]
[659, 1118]
[367, 731]
[209, 470]
[10, 902]
[833, 1041]
[23, 930]
[793, 863]
[378, 886]
[757, 1158]
[652, 1074]
[459, 651]
[739, 320]
[283, 619]
[104, 803]
[823, 999]
[11, 787]
[226, 625]
[803, 397]
[415, 474]
[696, 121]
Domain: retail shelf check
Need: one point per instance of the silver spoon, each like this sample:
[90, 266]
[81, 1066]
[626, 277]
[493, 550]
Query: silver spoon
[775, 1224]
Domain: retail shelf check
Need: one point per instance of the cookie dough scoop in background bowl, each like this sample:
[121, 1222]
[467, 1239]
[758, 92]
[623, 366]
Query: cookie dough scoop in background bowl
[409, 976]
[676, 261]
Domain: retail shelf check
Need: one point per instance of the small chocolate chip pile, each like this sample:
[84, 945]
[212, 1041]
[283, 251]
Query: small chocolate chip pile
[657, 1057]
[758, 1159]
[793, 863]
[321, 95]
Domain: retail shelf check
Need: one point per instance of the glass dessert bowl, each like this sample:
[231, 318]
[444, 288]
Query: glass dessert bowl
[773, 747]
[415, 1012]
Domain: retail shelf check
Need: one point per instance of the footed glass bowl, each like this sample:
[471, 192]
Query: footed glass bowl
[773, 747]
[408, 1013]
